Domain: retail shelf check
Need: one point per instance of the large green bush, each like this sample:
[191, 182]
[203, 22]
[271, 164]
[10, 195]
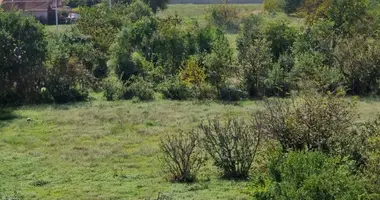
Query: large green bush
[22, 53]
[281, 35]
[308, 175]
[72, 65]
[312, 122]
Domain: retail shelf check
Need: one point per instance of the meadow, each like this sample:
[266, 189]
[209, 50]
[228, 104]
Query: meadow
[75, 143]
[109, 150]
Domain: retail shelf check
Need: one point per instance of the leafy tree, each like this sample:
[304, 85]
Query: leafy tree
[103, 24]
[346, 14]
[281, 35]
[22, 53]
[250, 31]
[256, 64]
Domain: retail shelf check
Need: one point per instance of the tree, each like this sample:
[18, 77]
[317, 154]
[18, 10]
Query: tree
[22, 53]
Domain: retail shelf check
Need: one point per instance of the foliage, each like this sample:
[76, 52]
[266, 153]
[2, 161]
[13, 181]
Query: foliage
[22, 53]
[346, 14]
[291, 6]
[314, 122]
[139, 87]
[310, 71]
[113, 88]
[256, 62]
[313, 10]
[224, 16]
[103, 24]
[219, 61]
[182, 157]
[174, 88]
[357, 59]
[171, 45]
[73, 62]
[192, 73]
[249, 32]
[232, 146]
[281, 36]
[154, 5]
[274, 5]
[232, 93]
[308, 175]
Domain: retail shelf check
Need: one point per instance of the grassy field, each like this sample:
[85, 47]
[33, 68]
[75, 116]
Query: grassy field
[61, 28]
[109, 150]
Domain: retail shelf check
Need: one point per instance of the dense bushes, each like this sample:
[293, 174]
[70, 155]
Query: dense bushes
[313, 122]
[274, 57]
[22, 52]
[308, 175]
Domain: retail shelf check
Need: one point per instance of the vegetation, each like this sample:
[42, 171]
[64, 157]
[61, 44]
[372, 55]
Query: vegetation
[313, 144]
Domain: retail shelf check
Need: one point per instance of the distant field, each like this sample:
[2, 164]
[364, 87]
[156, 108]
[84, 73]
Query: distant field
[198, 11]
[61, 27]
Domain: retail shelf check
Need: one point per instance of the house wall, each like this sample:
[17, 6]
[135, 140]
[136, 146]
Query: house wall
[214, 1]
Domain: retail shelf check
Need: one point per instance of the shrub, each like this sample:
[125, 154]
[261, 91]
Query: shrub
[292, 5]
[22, 53]
[101, 23]
[274, 5]
[174, 88]
[232, 93]
[224, 16]
[113, 88]
[357, 59]
[138, 87]
[155, 5]
[309, 69]
[363, 146]
[72, 64]
[192, 73]
[232, 146]
[308, 175]
[312, 122]
[256, 63]
[182, 157]
[171, 45]
[67, 79]
[130, 53]
[281, 36]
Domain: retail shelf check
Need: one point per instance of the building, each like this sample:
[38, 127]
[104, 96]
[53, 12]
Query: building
[41, 9]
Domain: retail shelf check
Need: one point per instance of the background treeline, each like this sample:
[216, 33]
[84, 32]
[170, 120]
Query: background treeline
[129, 52]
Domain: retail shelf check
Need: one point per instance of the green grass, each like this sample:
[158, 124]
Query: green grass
[61, 28]
[109, 150]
